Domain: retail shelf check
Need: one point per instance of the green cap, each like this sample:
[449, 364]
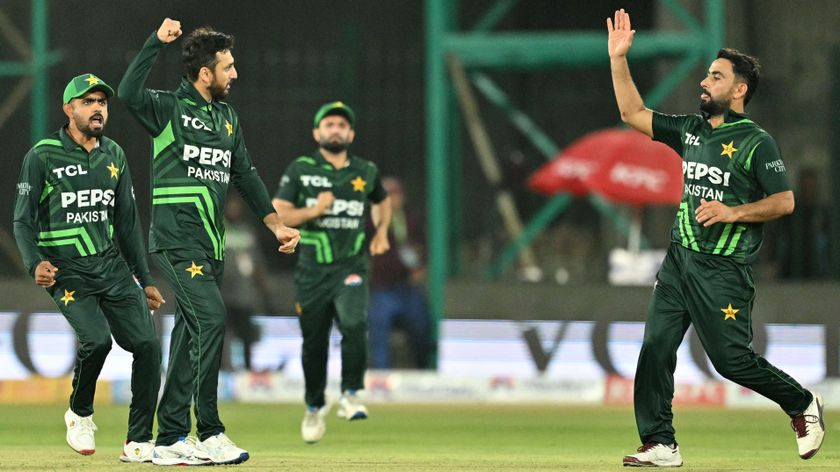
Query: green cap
[83, 84]
[335, 108]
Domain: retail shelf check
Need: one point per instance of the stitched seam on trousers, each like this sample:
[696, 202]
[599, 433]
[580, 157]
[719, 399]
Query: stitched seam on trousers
[196, 392]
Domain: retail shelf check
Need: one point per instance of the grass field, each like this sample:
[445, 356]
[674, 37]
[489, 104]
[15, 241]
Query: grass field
[437, 437]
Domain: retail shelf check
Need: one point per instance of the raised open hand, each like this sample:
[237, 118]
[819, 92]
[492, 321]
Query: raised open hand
[620, 34]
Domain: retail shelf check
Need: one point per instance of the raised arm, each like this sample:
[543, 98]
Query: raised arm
[143, 103]
[630, 104]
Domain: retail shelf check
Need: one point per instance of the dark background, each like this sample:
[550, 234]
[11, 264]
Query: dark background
[292, 56]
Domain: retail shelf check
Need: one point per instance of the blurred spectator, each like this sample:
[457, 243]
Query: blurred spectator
[398, 297]
[803, 248]
[244, 287]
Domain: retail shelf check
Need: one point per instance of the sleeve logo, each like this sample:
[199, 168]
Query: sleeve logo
[24, 188]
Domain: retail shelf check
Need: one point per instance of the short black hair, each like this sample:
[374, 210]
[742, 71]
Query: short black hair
[746, 68]
[200, 47]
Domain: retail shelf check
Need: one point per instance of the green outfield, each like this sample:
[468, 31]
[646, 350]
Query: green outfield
[437, 437]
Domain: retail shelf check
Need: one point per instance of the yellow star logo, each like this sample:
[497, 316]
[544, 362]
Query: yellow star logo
[114, 170]
[229, 127]
[358, 184]
[68, 297]
[195, 270]
[728, 149]
[92, 79]
[729, 312]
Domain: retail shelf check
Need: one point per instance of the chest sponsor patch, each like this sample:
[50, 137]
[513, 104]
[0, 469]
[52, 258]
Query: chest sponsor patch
[353, 280]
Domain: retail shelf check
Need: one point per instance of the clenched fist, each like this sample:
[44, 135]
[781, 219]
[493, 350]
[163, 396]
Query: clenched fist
[169, 30]
[45, 274]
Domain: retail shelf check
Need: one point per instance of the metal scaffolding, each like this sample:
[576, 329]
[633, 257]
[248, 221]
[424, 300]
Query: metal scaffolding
[32, 68]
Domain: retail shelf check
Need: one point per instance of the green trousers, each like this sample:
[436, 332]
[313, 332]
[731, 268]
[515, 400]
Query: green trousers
[195, 348]
[340, 293]
[715, 295]
[99, 297]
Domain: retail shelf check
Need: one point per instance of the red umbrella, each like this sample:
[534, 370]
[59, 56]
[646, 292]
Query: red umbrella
[623, 165]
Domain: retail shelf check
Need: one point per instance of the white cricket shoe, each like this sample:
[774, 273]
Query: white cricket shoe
[314, 425]
[222, 450]
[80, 431]
[809, 428]
[655, 455]
[182, 452]
[350, 407]
[134, 451]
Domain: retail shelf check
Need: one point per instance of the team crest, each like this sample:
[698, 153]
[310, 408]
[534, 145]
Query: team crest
[353, 280]
[68, 297]
[298, 308]
[358, 184]
[729, 312]
[728, 149]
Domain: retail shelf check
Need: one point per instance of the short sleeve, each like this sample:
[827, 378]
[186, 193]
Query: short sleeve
[765, 162]
[668, 129]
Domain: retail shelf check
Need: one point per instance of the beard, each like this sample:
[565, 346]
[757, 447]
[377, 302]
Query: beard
[92, 132]
[715, 107]
[218, 91]
[334, 146]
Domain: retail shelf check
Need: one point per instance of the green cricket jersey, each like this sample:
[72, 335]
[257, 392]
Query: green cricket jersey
[338, 234]
[198, 149]
[735, 163]
[71, 204]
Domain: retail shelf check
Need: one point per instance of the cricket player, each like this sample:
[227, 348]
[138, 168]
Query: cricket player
[735, 180]
[77, 228]
[198, 149]
[326, 194]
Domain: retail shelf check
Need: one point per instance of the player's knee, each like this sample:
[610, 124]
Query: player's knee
[656, 344]
[99, 346]
[730, 367]
[355, 327]
[148, 348]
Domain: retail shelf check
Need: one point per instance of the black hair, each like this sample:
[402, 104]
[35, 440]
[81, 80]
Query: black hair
[200, 47]
[746, 69]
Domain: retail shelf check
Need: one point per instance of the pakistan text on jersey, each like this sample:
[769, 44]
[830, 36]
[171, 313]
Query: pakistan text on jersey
[337, 223]
[704, 192]
[208, 174]
[86, 216]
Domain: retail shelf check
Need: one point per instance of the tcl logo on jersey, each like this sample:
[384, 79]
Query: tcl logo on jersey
[692, 140]
[87, 198]
[69, 171]
[315, 181]
[194, 122]
[206, 155]
[698, 170]
[350, 207]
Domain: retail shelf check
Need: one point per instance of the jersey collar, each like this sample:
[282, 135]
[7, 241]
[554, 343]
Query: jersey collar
[187, 88]
[729, 116]
[323, 162]
[69, 144]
